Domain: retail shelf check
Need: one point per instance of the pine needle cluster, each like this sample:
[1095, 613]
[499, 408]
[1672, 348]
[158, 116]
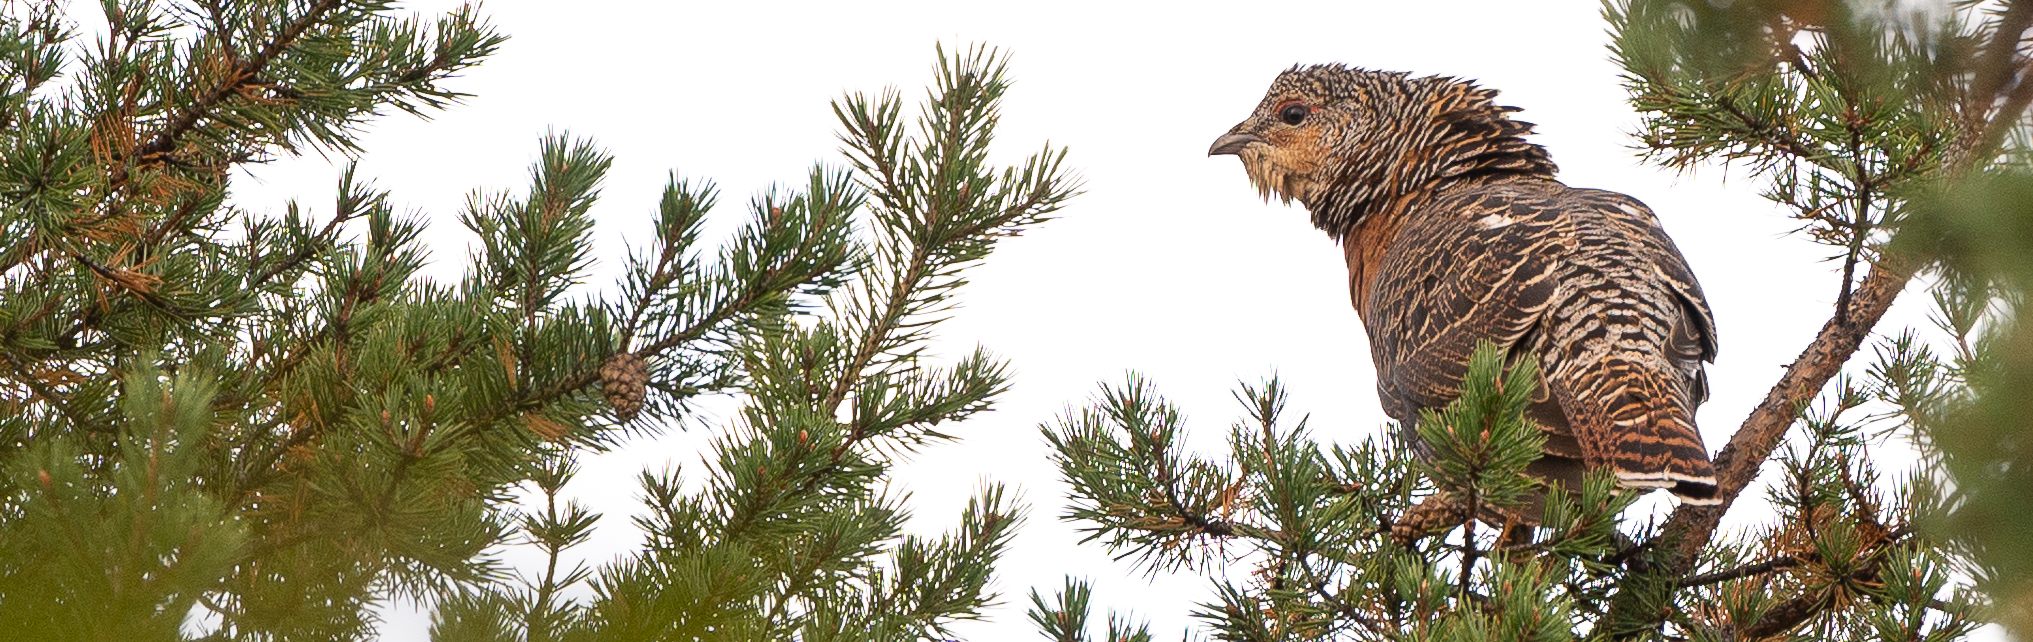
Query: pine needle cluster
[1316, 521]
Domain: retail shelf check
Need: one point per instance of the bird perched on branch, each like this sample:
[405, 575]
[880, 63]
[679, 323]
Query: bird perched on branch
[1455, 231]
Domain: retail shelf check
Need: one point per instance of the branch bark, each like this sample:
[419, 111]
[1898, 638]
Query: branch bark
[1761, 568]
[1691, 527]
[1689, 530]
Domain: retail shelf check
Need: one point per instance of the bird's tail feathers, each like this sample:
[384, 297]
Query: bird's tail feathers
[1699, 490]
[1660, 448]
[1646, 432]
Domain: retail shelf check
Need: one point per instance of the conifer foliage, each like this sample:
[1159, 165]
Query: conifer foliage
[1898, 140]
[237, 425]
[791, 535]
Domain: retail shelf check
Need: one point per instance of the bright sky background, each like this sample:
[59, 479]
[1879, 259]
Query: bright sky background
[1169, 265]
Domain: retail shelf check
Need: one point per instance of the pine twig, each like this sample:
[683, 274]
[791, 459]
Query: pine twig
[1860, 225]
[1468, 547]
[240, 77]
[1772, 134]
[1787, 615]
[1748, 570]
[1801, 608]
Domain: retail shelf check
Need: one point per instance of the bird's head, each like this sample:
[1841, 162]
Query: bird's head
[1346, 142]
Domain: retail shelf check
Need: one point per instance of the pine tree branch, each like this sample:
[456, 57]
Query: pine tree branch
[1782, 38]
[1690, 528]
[1801, 608]
[1788, 614]
[540, 625]
[1860, 223]
[1215, 527]
[2008, 115]
[1748, 570]
[135, 283]
[1789, 561]
[896, 304]
[690, 334]
[255, 282]
[222, 30]
[1318, 587]
[1996, 68]
[1999, 62]
[1772, 135]
[933, 237]
[34, 383]
[586, 376]
[755, 295]
[894, 308]
[310, 249]
[897, 308]
[589, 374]
[34, 33]
[260, 468]
[241, 77]
[659, 278]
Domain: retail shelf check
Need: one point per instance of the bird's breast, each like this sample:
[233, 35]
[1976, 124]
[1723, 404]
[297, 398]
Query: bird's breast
[1364, 248]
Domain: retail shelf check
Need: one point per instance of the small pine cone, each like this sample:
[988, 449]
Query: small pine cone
[1436, 514]
[625, 379]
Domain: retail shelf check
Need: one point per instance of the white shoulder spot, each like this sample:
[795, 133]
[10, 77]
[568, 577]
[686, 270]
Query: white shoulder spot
[1626, 207]
[1494, 221]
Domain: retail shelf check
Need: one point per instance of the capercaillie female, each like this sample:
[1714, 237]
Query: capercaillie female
[1456, 231]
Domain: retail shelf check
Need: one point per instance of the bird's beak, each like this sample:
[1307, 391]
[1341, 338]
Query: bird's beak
[1232, 143]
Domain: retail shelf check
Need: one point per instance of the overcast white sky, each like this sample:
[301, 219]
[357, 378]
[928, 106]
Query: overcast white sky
[1169, 264]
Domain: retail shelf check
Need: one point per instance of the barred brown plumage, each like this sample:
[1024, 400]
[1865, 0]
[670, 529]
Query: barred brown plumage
[1455, 231]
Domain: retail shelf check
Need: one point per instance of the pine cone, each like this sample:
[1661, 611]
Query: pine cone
[1438, 513]
[625, 379]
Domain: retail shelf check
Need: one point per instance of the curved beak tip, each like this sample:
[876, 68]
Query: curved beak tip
[1232, 144]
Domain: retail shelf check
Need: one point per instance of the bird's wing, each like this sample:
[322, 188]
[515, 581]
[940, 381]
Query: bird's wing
[1627, 332]
[1692, 340]
[1475, 269]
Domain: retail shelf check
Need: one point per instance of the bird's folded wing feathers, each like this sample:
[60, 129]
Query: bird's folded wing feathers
[1495, 286]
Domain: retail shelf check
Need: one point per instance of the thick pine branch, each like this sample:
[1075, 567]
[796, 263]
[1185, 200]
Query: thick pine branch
[1996, 68]
[1691, 526]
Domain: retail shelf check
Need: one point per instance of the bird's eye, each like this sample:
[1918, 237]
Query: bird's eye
[1294, 113]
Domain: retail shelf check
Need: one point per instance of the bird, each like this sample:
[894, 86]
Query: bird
[1456, 231]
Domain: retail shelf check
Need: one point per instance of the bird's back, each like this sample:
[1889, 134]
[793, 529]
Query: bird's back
[1587, 282]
